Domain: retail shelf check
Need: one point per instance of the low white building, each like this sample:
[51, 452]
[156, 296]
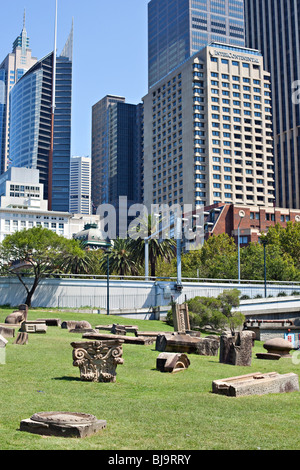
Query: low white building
[22, 206]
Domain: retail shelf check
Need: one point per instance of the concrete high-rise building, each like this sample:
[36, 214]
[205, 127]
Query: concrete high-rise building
[13, 67]
[208, 132]
[273, 27]
[80, 185]
[179, 28]
[117, 151]
[40, 130]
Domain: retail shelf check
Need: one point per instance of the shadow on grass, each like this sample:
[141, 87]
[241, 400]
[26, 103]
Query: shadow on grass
[69, 379]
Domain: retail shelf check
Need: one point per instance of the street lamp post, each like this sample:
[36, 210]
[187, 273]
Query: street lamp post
[242, 215]
[109, 246]
[264, 242]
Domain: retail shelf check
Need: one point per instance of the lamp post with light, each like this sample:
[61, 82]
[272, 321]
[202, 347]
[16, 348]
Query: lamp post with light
[109, 246]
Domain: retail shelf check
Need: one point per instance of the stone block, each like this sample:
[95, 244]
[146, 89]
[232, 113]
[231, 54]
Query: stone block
[18, 316]
[236, 349]
[256, 384]
[3, 342]
[184, 343]
[72, 325]
[22, 339]
[34, 326]
[7, 332]
[172, 362]
[62, 424]
[181, 318]
[141, 340]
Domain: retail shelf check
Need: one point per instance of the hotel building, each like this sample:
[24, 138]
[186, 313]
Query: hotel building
[208, 132]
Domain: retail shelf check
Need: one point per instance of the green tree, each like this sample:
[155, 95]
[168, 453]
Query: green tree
[34, 253]
[280, 265]
[219, 257]
[79, 261]
[218, 312]
[230, 300]
[287, 238]
[122, 258]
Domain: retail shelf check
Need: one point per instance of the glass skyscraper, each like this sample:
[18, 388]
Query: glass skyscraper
[179, 28]
[13, 67]
[117, 152]
[273, 27]
[31, 124]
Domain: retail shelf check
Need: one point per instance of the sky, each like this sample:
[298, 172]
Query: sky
[110, 53]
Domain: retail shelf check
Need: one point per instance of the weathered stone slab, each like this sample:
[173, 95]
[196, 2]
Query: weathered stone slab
[18, 316]
[71, 325]
[149, 334]
[237, 349]
[82, 330]
[256, 384]
[63, 424]
[208, 346]
[141, 340]
[172, 362]
[97, 360]
[7, 332]
[33, 326]
[22, 339]
[268, 356]
[181, 318]
[3, 342]
[183, 343]
[118, 329]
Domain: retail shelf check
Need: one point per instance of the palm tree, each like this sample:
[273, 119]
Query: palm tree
[158, 248]
[78, 261]
[122, 259]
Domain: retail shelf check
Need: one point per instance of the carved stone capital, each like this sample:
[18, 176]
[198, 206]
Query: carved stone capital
[97, 360]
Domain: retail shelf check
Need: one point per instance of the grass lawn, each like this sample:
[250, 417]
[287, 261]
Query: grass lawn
[145, 409]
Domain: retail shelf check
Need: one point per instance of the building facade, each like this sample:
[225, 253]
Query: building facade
[117, 152]
[179, 28]
[13, 67]
[99, 150]
[256, 220]
[80, 185]
[273, 28]
[32, 127]
[22, 206]
[208, 132]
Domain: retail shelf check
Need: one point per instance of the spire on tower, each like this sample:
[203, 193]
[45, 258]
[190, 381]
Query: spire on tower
[68, 49]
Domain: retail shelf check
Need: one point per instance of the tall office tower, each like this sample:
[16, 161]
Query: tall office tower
[38, 139]
[208, 132]
[11, 70]
[273, 27]
[117, 135]
[99, 150]
[80, 185]
[179, 28]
